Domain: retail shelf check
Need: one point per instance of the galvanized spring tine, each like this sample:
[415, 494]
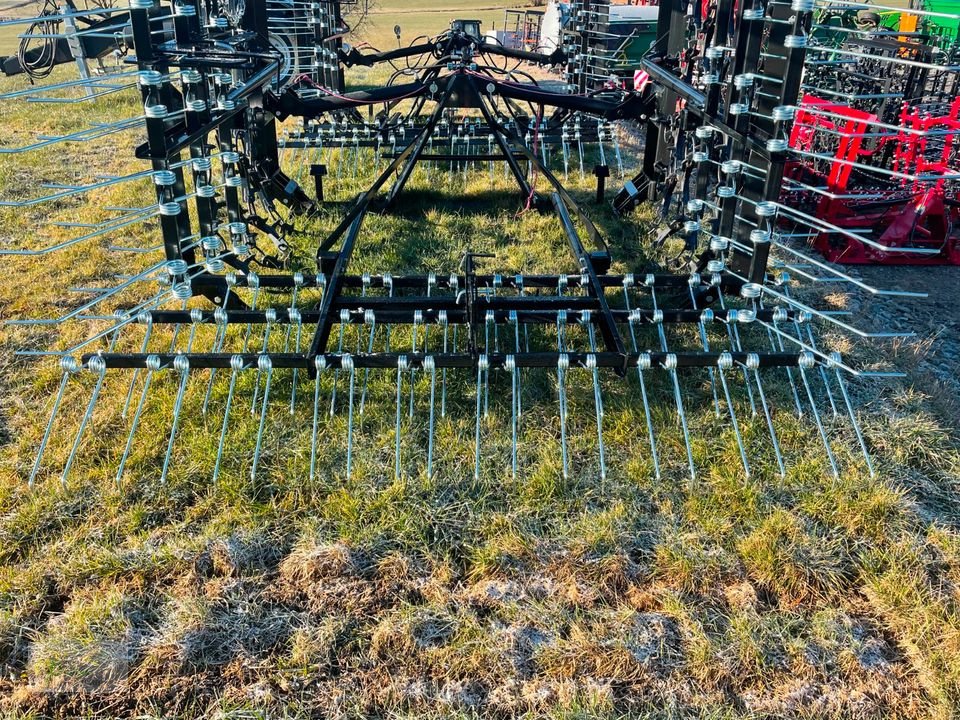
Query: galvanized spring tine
[563, 364]
[176, 331]
[344, 321]
[518, 280]
[511, 366]
[298, 282]
[754, 293]
[453, 138]
[516, 337]
[417, 322]
[346, 362]
[402, 365]
[598, 404]
[97, 365]
[644, 363]
[579, 139]
[181, 364]
[561, 331]
[671, 365]
[490, 152]
[265, 366]
[388, 284]
[369, 318]
[356, 154]
[823, 374]
[69, 366]
[725, 362]
[220, 318]
[253, 282]
[445, 323]
[753, 363]
[490, 321]
[431, 283]
[231, 280]
[497, 284]
[705, 317]
[836, 359]
[657, 313]
[483, 367]
[236, 365]
[776, 342]
[320, 364]
[733, 334]
[297, 319]
[807, 361]
[144, 319]
[430, 164]
[616, 149]
[271, 317]
[543, 151]
[566, 154]
[153, 365]
[785, 282]
[430, 366]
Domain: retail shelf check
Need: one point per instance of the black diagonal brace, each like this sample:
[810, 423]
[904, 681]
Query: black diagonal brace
[608, 325]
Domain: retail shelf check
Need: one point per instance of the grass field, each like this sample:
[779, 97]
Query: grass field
[724, 597]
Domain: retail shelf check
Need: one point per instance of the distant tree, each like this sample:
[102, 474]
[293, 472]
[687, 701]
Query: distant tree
[357, 14]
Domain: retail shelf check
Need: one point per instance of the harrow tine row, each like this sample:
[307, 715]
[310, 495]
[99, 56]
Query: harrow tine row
[185, 371]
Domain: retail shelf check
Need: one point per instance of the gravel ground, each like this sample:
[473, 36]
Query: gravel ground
[935, 319]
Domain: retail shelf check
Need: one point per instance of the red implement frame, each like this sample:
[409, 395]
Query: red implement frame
[920, 211]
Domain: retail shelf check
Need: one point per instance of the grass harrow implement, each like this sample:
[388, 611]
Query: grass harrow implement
[235, 329]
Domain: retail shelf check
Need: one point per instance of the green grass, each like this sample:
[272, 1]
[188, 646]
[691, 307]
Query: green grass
[371, 596]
